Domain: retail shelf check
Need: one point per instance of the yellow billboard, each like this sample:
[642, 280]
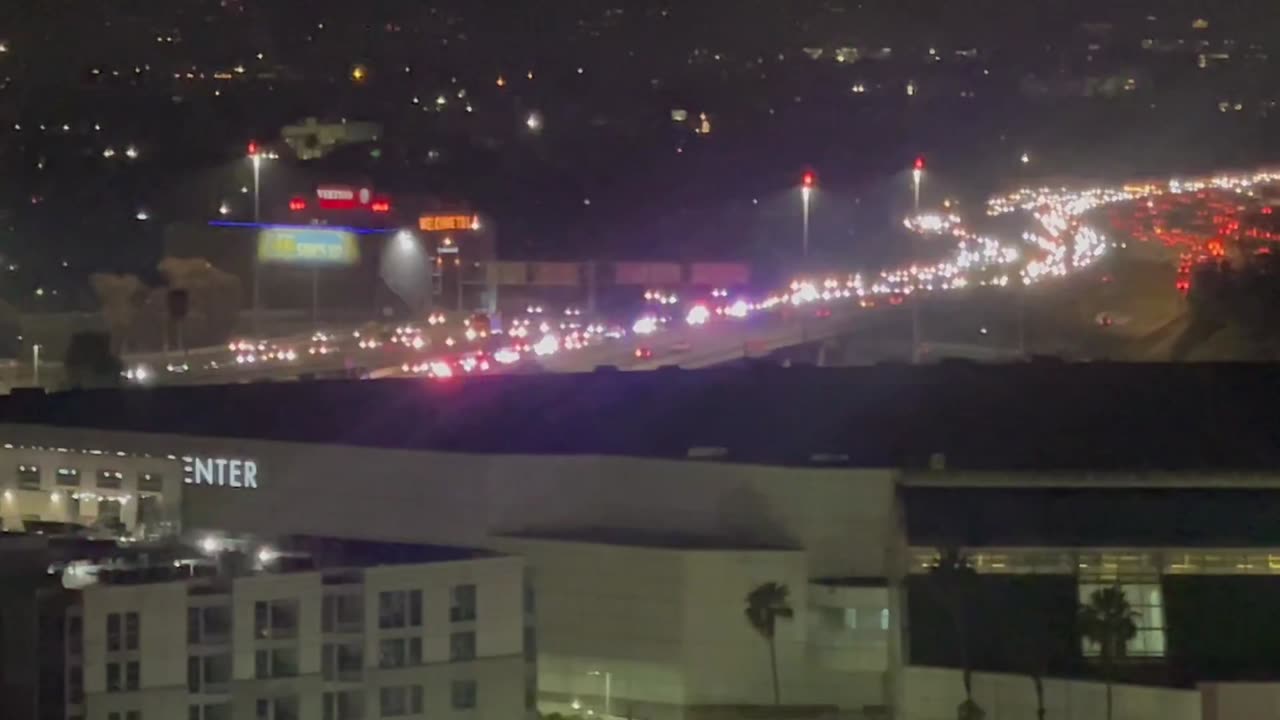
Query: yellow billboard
[307, 246]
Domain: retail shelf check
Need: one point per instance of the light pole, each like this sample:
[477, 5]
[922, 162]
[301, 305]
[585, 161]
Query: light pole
[255, 157]
[608, 690]
[807, 182]
[35, 365]
[917, 174]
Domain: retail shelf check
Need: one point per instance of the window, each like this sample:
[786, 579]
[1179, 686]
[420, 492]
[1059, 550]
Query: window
[131, 628]
[209, 673]
[277, 663]
[345, 705]
[343, 662]
[400, 608]
[1147, 600]
[462, 646]
[462, 603]
[399, 652]
[75, 684]
[278, 708]
[75, 636]
[111, 479]
[397, 701]
[29, 477]
[128, 680]
[531, 692]
[150, 482]
[68, 477]
[343, 613]
[209, 625]
[463, 694]
[275, 619]
[126, 640]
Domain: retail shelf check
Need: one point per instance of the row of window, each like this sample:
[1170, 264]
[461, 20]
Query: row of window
[29, 479]
[392, 701]
[341, 613]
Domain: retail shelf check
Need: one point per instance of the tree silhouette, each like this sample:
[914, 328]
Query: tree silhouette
[1109, 621]
[765, 605]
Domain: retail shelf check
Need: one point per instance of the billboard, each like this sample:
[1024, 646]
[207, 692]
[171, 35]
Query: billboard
[307, 246]
[719, 274]
[555, 273]
[641, 273]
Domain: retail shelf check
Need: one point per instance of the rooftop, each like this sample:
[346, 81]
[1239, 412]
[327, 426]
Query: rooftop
[218, 556]
[1021, 416]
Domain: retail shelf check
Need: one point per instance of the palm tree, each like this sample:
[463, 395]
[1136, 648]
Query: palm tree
[1108, 621]
[1031, 644]
[953, 579]
[765, 605]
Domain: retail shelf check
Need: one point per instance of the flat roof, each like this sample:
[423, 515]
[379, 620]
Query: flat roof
[652, 539]
[1000, 417]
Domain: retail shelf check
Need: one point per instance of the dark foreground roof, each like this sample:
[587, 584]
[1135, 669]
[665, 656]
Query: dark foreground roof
[1032, 416]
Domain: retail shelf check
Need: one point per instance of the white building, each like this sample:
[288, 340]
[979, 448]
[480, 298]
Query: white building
[385, 631]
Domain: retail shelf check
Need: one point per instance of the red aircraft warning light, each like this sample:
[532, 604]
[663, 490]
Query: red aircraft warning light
[808, 179]
[919, 162]
[253, 148]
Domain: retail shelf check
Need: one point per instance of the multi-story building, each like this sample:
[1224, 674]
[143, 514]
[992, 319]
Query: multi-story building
[300, 628]
[648, 506]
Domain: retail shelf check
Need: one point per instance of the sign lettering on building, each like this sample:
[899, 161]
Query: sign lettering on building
[447, 223]
[220, 472]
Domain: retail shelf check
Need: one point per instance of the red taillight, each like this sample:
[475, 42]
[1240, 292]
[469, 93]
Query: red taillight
[380, 206]
[297, 204]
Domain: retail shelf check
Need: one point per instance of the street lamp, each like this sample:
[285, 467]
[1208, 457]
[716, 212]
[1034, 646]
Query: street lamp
[807, 182]
[608, 690]
[917, 174]
[255, 157]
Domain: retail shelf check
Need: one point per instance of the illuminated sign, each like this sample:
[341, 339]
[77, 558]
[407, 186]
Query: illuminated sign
[446, 223]
[220, 472]
[342, 197]
[307, 246]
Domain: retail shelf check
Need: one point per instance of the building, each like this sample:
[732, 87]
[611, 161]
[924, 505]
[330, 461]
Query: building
[301, 627]
[648, 505]
[312, 139]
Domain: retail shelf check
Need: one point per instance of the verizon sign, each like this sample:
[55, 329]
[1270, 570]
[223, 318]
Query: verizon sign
[220, 472]
[343, 197]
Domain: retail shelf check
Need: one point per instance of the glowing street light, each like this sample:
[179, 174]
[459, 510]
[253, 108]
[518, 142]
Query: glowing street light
[807, 183]
[255, 157]
[534, 122]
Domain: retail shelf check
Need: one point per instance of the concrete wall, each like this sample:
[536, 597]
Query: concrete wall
[840, 517]
[1240, 701]
[934, 694]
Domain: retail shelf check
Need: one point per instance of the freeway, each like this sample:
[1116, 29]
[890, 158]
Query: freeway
[705, 331]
